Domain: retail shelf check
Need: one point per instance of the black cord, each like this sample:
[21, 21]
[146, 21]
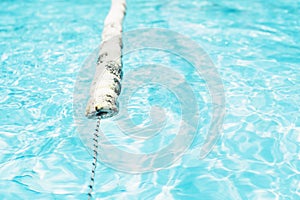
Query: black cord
[95, 154]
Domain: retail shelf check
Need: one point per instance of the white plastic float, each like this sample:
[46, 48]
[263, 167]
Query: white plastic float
[106, 87]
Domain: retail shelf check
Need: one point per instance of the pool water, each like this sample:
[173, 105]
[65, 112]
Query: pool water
[255, 47]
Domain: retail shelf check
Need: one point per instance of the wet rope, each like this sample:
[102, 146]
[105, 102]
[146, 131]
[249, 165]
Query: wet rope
[95, 155]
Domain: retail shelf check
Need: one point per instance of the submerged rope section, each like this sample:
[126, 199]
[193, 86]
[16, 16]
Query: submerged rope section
[95, 155]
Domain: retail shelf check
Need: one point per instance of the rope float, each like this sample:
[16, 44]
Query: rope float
[106, 85]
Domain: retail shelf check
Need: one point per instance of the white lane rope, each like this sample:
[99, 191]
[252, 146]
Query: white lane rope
[106, 86]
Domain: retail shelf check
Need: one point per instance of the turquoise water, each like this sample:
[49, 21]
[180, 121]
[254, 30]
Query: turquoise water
[255, 47]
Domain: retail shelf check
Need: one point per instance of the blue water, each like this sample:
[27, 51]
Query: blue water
[255, 47]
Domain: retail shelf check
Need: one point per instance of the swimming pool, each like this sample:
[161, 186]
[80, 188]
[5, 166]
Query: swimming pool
[255, 47]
